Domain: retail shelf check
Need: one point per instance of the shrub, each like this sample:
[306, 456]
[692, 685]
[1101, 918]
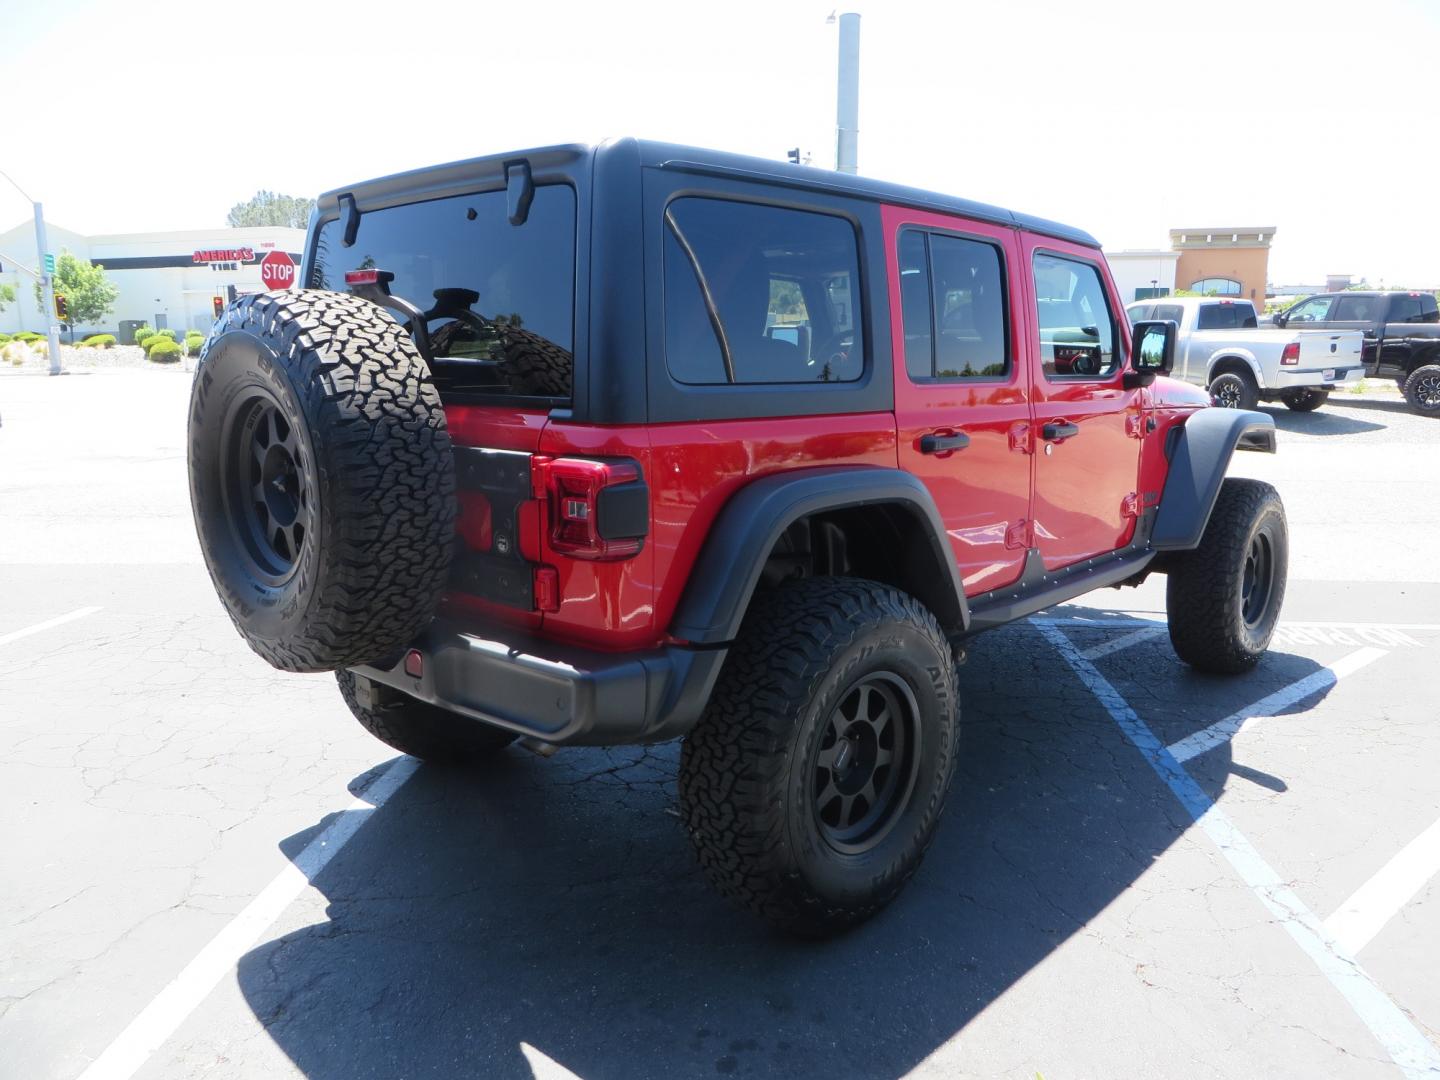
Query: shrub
[193, 346]
[100, 341]
[28, 336]
[167, 333]
[142, 333]
[4, 339]
[164, 351]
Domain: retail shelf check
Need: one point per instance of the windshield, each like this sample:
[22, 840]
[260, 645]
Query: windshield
[499, 298]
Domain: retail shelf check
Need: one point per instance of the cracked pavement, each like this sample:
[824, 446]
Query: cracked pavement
[1069, 920]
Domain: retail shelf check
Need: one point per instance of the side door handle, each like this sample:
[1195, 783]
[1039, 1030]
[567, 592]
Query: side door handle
[1057, 430]
[940, 444]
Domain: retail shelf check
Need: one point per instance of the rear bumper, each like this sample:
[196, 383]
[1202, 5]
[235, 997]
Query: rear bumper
[1291, 379]
[556, 693]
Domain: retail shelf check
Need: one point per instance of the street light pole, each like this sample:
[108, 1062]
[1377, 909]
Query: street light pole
[47, 285]
[47, 289]
[847, 96]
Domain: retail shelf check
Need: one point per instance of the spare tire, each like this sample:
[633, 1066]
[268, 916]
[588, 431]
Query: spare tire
[321, 478]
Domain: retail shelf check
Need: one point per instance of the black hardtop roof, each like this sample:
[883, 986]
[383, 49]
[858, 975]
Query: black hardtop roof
[1374, 292]
[436, 180]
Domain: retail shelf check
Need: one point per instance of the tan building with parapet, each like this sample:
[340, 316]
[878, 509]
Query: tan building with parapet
[1224, 261]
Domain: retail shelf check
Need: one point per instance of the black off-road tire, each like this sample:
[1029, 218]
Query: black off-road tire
[321, 478]
[425, 731]
[1304, 400]
[1422, 390]
[1219, 622]
[536, 366]
[1234, 390]
[816, 658]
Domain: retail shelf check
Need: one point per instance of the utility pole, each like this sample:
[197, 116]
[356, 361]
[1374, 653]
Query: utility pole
[47, 289]
[847, 97]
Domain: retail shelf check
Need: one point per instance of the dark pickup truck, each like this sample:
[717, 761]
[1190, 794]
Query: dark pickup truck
[1402, 336]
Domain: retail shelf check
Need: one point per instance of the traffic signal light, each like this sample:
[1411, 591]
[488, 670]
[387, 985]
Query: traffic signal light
[219, 304]
[62, 310]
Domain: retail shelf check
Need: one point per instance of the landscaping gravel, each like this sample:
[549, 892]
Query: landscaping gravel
[115, 358]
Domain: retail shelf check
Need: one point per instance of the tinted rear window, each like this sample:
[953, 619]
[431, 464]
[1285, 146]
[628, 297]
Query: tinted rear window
[499, 298]
[1225, 317]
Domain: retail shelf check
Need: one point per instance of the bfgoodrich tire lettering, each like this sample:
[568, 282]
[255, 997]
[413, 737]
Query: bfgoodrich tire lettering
[1223, 599]
[756, 772]
[321, 478]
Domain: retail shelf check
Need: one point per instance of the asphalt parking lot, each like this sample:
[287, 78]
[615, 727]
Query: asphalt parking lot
[210, 870]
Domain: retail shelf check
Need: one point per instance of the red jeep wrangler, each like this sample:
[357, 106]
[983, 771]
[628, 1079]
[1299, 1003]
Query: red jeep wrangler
[615, 444]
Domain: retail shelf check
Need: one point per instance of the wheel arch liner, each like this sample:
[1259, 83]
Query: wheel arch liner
[728, 569]
[1197, 469]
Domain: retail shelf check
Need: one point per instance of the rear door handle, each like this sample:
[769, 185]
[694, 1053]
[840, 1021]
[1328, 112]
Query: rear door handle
[939, 444]
[1059, 429]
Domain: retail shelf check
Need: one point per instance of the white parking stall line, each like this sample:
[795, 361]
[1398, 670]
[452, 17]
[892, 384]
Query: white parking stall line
[48, 624]
[1416, 1056]
[1356, 922]
[160, 1019]
[1222, 731]
[1124, 641]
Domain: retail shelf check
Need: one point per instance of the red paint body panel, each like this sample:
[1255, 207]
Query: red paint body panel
[698, 467]
[983, 491]
[1081, 486]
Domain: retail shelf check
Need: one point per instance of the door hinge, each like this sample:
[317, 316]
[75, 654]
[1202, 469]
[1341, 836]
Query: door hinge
[1015, 535]
[1135, 426]
[1130, 505]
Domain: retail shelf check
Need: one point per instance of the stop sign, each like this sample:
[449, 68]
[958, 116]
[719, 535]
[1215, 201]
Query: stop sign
[277, 270]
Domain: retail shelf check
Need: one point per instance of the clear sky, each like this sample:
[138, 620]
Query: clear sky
[1319, 118]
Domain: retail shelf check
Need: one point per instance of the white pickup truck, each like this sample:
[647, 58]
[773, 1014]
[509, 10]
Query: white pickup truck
[1221, 347]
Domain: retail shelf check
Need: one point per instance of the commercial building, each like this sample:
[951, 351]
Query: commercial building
[1224, 261]
[1141, 273]
[1221, 261]
[165, 279]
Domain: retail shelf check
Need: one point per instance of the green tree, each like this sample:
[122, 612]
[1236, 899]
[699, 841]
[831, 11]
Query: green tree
[7, 295]
[268, 208]
[89, 295]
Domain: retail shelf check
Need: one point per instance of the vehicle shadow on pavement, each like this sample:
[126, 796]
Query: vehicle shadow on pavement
[556, 904]
[1320, 422]
[1370, 404]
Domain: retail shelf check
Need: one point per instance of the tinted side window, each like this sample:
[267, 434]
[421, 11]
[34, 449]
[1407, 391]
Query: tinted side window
[1139, 312]
[1405, 309]
[1358, 309]
[1313, 310]
[760, 294]
[915, 301]
[1077, 334]
[1169, 313]
[499, 299]
[953, 307]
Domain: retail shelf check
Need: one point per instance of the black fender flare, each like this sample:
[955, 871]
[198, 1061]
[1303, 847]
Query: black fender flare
[1198, 458]
[728, 568]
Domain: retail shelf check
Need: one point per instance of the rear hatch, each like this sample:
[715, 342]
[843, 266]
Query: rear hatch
[497, 299]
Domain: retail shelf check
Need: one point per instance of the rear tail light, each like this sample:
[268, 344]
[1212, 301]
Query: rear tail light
[1291, 353]
[598, 509]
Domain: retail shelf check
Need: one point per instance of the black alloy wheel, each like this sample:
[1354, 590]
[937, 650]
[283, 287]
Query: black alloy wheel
[1257, 580]
[865, 768]
[268, 486]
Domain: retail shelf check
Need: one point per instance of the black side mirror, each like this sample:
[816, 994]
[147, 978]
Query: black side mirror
[1279, 318]
[1152, 351]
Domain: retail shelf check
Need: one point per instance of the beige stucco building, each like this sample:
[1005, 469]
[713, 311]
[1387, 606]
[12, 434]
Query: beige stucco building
[1226, 261]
